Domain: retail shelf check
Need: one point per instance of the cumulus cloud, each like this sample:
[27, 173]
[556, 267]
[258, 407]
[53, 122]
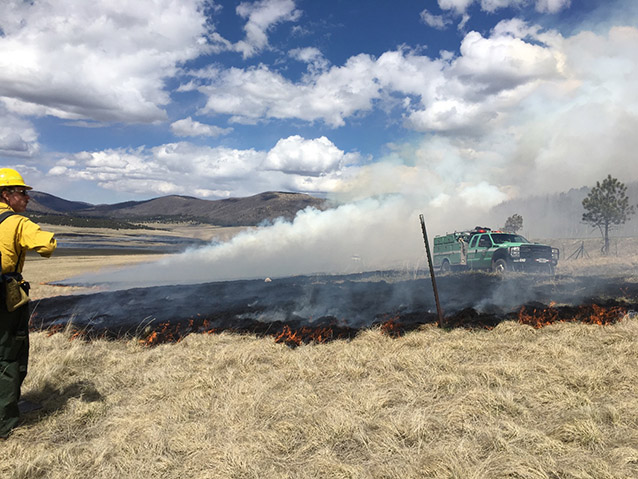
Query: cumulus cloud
[312, 56]
[435, 21]
[115, 62]
[502, 62]
[261, 17]
[253, 94]
[307, 54]
[293, 164]
[543, 6]
[514, 107]
[555, 113]
[444, 94]
[190, 127]
[102, 60]
[552, 6]
[459, 6]
[174, 168]
[18, 137]
[493, 5]
[489, 79]
[306, 157]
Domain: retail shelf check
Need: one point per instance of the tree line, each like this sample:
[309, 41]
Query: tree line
[606, 207]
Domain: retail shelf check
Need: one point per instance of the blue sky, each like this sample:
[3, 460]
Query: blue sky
[477, 100]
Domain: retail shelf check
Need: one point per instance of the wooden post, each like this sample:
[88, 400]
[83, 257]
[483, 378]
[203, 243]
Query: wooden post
[434, 288]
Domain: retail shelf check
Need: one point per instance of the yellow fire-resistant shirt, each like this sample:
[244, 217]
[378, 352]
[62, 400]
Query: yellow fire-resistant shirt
[19, 234]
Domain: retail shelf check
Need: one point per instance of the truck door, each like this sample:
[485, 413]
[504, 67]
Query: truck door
[479, 253]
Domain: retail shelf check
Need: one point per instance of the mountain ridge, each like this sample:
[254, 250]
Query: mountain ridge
[555, 215]
[243, 211]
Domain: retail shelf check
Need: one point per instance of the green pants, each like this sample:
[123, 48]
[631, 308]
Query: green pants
[14, 357]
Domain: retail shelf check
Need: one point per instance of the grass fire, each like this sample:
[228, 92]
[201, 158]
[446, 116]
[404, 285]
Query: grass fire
[297, 334]
[345, 376]
[509, 401]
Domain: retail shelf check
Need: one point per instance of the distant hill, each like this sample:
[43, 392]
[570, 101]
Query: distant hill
[248, 211]
[549, 216]
[48, 204]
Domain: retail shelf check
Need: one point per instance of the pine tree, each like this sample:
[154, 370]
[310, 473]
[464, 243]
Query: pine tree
[606, 207]
[513, 224]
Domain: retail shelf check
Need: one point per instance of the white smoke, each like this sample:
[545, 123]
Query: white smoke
[504, 133]
[367, 234]
[362, 235]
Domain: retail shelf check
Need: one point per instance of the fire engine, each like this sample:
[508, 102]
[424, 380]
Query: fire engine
[498, 251]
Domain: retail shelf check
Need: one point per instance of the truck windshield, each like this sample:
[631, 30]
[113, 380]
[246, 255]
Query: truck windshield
[500, 238]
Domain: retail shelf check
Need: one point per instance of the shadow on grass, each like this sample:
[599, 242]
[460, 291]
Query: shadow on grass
[53, 399]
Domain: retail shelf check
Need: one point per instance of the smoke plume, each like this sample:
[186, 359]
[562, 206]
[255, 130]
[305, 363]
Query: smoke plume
[491, 133]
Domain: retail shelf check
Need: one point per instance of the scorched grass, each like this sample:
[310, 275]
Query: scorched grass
[557, 402]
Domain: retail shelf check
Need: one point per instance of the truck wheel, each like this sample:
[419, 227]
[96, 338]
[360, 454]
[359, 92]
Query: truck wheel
[500, 266]
[445, 266]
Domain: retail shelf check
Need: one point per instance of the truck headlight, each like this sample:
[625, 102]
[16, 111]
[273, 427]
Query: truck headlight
[555, 254]
[515, 251]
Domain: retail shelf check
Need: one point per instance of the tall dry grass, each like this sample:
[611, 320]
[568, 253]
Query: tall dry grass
[559, 402]
[514, 402]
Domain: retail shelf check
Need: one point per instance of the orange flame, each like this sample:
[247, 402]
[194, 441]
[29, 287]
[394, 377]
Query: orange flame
[305, 334]
[288, 336]
[292, 336]
[392, 328]
[588, 314]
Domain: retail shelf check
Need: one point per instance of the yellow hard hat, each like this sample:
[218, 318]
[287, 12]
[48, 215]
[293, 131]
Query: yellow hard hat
[10, 177]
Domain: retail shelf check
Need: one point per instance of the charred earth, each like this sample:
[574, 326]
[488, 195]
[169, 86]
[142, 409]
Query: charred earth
[320, 308]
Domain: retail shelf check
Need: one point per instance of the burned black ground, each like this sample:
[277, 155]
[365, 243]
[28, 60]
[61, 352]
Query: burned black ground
[327, 307]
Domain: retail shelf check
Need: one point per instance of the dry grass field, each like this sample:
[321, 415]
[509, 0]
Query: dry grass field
[43, 271]
[512, 402]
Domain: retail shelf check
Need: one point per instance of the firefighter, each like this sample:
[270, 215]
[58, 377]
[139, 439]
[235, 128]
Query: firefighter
[463, 250]
[17, 235]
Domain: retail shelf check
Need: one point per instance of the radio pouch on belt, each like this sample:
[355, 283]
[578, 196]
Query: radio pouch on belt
[16, 296]
[13, 288]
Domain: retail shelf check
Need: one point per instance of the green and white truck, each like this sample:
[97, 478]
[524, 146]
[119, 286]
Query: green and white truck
[482, 248]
